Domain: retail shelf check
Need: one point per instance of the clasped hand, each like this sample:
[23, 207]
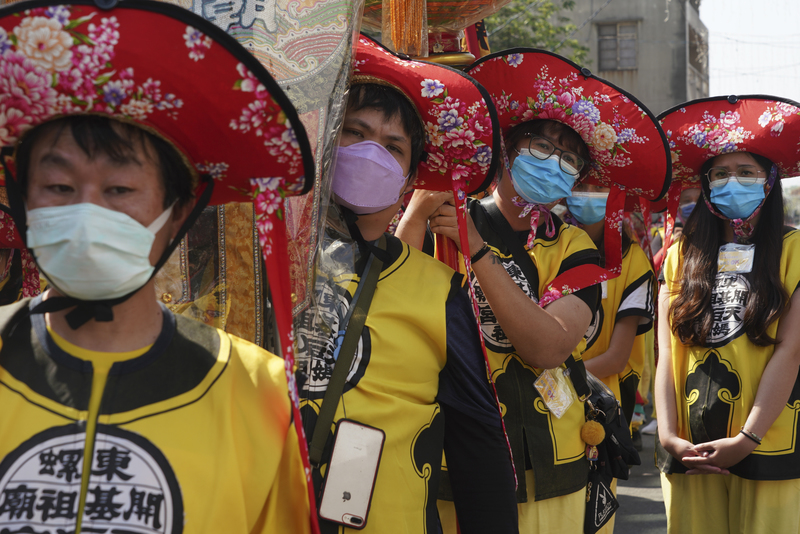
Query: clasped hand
[712, 457]
[437, 207]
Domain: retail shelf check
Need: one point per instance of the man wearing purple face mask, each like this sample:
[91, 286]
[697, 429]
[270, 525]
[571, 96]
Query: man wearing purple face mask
[378, 155]
[417, 374]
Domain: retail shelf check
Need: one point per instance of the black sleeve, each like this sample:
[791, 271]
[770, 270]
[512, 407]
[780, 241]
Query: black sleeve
[591, 296]
[478, 459]
[481, 476]
[463, 383]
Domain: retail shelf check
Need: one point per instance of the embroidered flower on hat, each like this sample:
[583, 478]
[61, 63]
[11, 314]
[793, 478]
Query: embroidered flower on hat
[216, 171]
[266, 119]
[774, 117]
[44, 42]
[717, 134]
[268, 197]
[5, 42]
[431, 88]
[54, 64]
[197, 43]
[454, 130]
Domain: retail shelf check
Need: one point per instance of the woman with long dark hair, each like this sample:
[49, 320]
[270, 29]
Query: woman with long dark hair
[726, 387]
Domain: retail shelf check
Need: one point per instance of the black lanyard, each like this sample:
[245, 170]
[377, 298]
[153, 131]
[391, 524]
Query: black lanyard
[354, 325]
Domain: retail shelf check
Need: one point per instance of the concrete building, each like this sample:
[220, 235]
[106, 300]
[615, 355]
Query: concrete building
[656, 49]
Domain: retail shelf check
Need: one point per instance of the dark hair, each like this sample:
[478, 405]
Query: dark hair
[691, 313]
[392, 104]
[96, 134]
[554, 130]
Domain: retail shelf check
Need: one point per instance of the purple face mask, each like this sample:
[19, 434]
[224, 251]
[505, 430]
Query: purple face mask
[367, 179]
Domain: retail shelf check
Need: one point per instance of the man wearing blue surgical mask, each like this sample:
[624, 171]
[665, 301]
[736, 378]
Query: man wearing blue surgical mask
[544, 170]
[547, 158]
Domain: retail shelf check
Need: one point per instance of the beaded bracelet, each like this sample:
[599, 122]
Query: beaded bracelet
[750, 435]
[481, 253]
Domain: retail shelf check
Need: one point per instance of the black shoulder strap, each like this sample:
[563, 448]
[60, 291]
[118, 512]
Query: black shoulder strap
[577, 370]
[354, 325]
[10, 311]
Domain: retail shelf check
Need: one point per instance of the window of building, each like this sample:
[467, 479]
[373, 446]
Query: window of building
[617, 45]
[698, 50]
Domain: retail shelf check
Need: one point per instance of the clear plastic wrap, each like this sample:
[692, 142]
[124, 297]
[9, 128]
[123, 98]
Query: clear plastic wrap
[308, 49]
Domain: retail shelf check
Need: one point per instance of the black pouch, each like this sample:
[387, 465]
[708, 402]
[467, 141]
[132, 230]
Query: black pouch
[616, 453]
[600, 502]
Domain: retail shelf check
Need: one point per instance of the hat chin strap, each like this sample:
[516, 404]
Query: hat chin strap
[538, 213]
[742, 228]
[365, 247]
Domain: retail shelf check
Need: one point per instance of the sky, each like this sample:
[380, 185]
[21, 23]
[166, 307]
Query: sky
[754, 48]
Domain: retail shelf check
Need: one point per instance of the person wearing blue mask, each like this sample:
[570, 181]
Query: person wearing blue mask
[686, 204]
[537, 278]
[727, 381]
[615, 341]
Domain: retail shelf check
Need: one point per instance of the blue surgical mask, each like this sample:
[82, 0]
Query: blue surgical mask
[541, 181]
[686, 210]
[92, 253]
[586, 207]
[737, 201]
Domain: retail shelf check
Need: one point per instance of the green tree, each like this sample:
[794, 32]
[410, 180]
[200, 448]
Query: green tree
[537, 24]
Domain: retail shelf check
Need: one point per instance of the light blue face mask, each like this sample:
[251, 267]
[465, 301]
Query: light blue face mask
[737, 201]
[686, 210]
[92, 253]
[541, 181]
[586, 207]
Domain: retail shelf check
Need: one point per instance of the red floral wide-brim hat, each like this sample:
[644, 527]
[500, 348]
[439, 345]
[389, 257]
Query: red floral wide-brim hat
[462, 133]
[164, 69]
[627, 147]
[705, 128]
[702, 129]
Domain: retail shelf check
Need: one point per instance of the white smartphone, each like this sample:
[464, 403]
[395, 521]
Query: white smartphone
[351, 474]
